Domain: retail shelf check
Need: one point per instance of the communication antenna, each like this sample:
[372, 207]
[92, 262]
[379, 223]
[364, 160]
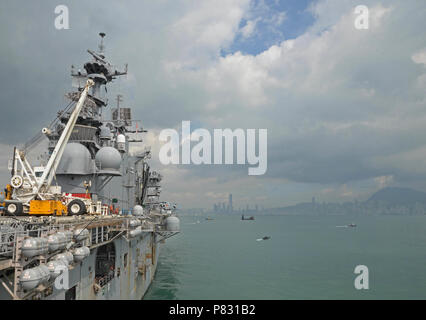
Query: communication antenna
[101, 45]
[119, 99]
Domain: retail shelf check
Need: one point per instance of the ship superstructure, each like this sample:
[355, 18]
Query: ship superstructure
[60, 222]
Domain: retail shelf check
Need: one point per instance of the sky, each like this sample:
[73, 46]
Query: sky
[345, 109]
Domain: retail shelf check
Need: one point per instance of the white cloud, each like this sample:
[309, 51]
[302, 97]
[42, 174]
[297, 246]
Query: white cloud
[335, 96]
[248, 30]
[383, 181]
[340, 105]
[419, 57]
[206, 28]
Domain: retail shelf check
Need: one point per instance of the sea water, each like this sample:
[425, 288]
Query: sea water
[307, 257]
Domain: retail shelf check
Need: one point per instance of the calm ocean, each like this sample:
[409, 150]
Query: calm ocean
[306, 258]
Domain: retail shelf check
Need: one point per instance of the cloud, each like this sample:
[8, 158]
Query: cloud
[383, 181]
[249, 28]
[333, 99]
[419, 57]
[342, 106]
[206, 28]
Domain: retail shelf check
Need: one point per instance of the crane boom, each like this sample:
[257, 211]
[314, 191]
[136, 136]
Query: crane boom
[56, 155]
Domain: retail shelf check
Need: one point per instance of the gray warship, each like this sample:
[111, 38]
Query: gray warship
[87, 222]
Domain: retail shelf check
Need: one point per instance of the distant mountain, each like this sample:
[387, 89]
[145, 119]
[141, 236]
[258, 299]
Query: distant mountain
[398, 196]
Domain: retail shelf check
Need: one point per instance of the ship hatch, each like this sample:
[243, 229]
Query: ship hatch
[105, 264]
[70, 294]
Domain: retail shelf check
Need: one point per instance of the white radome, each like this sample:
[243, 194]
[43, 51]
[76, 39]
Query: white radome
[108, 158]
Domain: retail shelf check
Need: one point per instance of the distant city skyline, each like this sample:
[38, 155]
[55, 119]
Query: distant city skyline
[222, 207]
[387, 201]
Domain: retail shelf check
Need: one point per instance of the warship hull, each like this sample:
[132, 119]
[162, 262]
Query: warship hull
[132, 282]
[120, 264]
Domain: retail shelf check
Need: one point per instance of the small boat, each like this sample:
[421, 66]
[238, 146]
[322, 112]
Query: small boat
[264, 238]
[351, 225]
[249, 218]
[208, 218]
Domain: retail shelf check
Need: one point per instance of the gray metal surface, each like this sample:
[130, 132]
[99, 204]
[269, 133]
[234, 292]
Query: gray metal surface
[76, 160]
[107, 256]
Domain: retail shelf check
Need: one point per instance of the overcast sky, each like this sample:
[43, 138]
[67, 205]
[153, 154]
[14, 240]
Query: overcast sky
[345, 109]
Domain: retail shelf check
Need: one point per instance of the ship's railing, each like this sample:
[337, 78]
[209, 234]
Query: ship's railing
[9, 234]
[101, 228]
[102, 281]
[100, 234]
[8, 241]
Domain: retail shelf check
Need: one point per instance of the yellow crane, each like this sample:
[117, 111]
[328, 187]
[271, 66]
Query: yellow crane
[28, 194]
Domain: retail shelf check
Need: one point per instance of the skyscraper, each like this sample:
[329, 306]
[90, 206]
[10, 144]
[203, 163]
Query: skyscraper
[230, 208]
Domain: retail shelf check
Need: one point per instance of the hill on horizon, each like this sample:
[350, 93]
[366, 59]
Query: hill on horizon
[398, 196]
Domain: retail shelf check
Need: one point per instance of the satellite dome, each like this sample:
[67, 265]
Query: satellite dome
[76, 159]
[108, 158]
[121, 138]
[137, 210]
[173, 224]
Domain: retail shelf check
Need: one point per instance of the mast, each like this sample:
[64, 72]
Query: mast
[56, 155]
